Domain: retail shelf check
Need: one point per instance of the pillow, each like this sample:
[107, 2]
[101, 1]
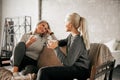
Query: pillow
[112, 44]
[48, 58]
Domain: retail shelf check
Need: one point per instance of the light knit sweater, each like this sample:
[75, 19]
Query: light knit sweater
[35, 48]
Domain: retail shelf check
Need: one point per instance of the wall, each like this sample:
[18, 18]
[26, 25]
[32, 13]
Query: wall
[15, 9]
[19, 8]
[0, 22]
[103, 17]
[0, 14]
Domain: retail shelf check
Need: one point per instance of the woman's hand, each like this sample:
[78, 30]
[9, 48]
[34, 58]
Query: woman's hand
[52, 44]
[49, 31]
[31, 40]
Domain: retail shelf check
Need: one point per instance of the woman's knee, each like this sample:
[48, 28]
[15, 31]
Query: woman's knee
[42, 74]
[20, 47]
[42, 70]
[21, 44]
[18, 53]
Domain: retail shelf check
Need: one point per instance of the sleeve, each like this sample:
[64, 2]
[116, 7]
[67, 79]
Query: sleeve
[76, 49]
[62, 42]
[53, 37]
[23, 38]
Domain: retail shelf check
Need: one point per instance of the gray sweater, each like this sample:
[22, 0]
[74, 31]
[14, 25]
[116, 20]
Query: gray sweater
[77, 55]
[35, 48]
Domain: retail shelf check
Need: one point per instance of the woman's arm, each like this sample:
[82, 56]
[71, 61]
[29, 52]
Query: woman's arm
[28, 39]
[23, 38]
[31, 40]
[75, 50]
[62, 42]
[53, 36]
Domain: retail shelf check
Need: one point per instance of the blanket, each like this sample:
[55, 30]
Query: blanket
[5, 74]
[99, 54]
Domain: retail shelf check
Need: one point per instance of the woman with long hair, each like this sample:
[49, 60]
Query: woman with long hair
[75, 61]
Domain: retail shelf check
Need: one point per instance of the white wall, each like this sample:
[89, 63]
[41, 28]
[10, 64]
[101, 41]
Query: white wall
[19, 8]
[0, 22]
[103, 17]
[0, 14]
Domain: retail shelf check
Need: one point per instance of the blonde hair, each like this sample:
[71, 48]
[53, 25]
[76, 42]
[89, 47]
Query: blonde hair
[80, 24]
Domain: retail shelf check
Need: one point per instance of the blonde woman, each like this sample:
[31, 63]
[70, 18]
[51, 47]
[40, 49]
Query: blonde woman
[75, 62]
[27, 50]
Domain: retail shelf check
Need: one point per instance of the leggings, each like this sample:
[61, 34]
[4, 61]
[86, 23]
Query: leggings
[20, 59]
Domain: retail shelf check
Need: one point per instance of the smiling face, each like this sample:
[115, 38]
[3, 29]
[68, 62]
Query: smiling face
[42, 28]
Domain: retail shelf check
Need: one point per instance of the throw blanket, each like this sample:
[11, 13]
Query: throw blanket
[5, 74]
[99, 53]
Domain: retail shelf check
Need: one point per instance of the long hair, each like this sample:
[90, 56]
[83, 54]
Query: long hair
[80, 24]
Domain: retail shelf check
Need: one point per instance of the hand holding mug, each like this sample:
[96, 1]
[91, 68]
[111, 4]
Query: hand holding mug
[32, 38]
[52, 44]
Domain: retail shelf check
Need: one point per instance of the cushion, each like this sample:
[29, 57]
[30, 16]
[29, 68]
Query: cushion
[112, 44]
[48, 58]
